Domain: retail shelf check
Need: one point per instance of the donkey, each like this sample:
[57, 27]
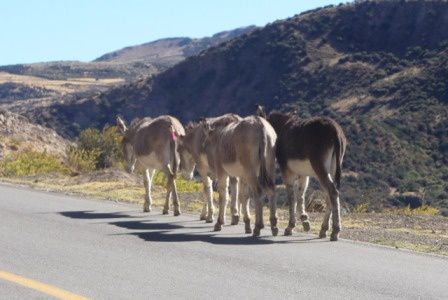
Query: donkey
[309, 147]
[150, 144]
[192, 154]
[245, 149]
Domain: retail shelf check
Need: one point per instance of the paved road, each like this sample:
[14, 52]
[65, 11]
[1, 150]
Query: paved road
[108, 250]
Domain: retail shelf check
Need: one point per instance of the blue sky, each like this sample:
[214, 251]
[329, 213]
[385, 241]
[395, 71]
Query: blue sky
[48, 30]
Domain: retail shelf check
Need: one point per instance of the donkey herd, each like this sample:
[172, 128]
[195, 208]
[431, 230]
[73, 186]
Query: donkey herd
[240, 155]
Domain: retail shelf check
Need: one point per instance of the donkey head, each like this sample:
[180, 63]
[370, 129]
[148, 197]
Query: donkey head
[127, 145]
[185, 149]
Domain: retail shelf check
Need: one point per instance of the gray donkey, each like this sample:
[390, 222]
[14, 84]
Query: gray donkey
[245, 149]
[309, 147]
[150, 144]
[192, 154]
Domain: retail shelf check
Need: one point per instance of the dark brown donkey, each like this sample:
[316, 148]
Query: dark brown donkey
[309, 147]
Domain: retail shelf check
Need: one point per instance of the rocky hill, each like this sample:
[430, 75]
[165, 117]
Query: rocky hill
[17, 133]
[380, 68]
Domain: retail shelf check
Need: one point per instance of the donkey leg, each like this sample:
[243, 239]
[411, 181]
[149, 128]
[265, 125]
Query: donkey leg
[234, 200]
[175, 196]
[245, 201]
[147, 181]
[222, 191]
[203, 214]
[335, 210]
[292, 200]
[169, 187]
[332, 210]
[256, 194]
[258, 216]
[333, 207]
[271, 195]
[273, 212]
[302, 185]
[166, 207]
[326, 220]
[208, 191]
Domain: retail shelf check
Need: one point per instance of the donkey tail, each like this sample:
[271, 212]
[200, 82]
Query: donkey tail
[265, 179]
[173, 152]
[337, 152]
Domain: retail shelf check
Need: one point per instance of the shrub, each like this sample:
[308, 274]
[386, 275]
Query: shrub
[361, 208]
[425, 210]
[83, 160]
[30, 163]
[96, 150]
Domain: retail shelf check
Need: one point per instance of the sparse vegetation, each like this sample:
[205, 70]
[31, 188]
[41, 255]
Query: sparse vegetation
[424, 210]
[30, 163]
[96, 150]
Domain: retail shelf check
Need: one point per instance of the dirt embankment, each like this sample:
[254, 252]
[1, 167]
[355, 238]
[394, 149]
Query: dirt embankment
[18, 134]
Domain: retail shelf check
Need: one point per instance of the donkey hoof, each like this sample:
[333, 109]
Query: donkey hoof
[306, 226]
[218, 227]
[257, 231]
[274, 231]
[165, 211]
[209, 220]
[322, 234]
[146, 209]
[248, 230]
[235, 220]
[334, 237]
[288, 231]
[202, 218]
[177, 213]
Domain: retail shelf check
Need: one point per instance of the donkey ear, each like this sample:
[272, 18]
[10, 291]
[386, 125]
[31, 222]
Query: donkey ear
[121, 126]
[260, 111]
[204, 123]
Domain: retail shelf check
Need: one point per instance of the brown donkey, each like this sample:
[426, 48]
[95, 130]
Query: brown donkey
[310, 147]
[245, 149]
[150, 144]
[192, 154]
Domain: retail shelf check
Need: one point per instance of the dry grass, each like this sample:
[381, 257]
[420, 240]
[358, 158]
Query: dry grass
[62, 86]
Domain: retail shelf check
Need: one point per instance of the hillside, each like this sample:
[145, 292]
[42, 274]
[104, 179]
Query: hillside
[165, 53]
[379, 68]
[18, 134]
[26, 87]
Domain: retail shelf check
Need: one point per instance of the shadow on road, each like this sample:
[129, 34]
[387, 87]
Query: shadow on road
[166, 231]
[89, 214]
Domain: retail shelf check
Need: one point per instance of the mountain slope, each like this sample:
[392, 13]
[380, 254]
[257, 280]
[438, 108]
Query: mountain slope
[380, 68]
[167, 52]
[25, 87]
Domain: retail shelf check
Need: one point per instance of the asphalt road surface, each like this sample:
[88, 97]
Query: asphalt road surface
[108, 250]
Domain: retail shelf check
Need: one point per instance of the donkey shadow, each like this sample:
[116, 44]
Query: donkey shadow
[152, 231]
[90, 215]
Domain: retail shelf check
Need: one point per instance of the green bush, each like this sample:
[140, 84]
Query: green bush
[83, 160]
[31, 163]
[96, 150]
